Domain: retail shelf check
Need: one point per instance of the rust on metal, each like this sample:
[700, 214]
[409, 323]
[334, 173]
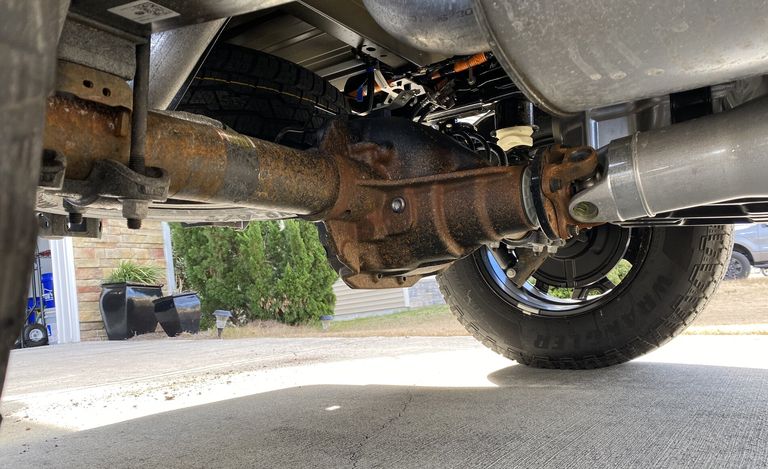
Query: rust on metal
[93, 85]
[389, 228]
[398, 200]
[562, 168]
[207, 163]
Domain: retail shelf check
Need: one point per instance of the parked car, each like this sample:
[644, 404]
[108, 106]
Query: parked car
[750, 249]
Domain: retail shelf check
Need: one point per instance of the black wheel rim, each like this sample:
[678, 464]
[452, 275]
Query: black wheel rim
[582, 269]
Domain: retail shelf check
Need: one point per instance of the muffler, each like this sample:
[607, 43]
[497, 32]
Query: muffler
[569, 56]
[442, 26]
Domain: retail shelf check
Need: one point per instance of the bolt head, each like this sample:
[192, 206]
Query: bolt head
[398, 205]
[511, 273]
[585, 211]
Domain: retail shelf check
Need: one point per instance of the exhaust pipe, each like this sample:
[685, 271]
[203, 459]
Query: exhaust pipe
[712, 159]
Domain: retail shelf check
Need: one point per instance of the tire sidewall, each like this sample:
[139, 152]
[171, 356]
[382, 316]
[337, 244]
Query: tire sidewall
[678, 271]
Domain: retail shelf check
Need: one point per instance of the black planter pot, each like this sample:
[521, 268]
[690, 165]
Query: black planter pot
[127, 309]
[179, 313]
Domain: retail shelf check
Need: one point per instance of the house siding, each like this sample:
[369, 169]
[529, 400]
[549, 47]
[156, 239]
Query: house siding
[351, 303]
[425, 293]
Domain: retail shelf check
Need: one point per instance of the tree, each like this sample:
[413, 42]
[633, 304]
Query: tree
[323, 276]
[254, 269]
[205, 256]
[270, 270]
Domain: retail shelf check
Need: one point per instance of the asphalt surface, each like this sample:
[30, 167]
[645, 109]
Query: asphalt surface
[701, 401]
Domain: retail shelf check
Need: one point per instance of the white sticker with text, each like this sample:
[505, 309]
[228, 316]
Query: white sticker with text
[143, 11]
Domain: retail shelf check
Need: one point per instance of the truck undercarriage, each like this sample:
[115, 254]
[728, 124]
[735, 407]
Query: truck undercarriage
[510, 147]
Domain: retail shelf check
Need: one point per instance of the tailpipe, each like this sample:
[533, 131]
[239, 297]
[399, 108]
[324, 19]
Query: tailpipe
[703, 161]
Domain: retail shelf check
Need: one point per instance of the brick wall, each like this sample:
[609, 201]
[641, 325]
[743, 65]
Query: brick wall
[96, 258]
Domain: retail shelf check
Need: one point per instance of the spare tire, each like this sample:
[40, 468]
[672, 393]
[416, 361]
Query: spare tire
[263, 96]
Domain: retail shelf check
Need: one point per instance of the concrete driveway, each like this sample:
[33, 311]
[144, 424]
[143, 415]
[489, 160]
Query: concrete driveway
[701, 401]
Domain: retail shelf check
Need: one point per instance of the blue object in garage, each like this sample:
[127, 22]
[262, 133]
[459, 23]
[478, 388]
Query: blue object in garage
[47, 295]
[47, 281]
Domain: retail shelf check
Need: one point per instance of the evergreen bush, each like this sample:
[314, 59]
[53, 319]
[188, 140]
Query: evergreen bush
[269, 270]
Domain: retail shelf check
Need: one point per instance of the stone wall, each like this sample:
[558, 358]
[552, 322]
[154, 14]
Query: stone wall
[96, 258]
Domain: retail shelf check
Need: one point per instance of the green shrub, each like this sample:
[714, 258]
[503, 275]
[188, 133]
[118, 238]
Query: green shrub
[616, 275]
[132, 272]
[619, 271]
[270, 270]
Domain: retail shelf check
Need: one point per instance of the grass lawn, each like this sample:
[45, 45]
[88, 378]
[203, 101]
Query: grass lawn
[429, 321]
[739, 307]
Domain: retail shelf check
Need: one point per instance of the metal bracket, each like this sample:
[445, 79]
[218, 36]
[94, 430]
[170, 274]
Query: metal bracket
[92, 85]
[56, 226]
[110, 178]
[52, 170]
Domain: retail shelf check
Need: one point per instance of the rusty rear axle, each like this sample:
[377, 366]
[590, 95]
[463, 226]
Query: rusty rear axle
[206, 162]
[398, 200]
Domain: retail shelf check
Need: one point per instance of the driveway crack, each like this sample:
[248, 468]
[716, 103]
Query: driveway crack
[356, 453]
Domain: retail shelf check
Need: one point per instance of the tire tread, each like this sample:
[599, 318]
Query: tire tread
[259, 94]
[713, 250]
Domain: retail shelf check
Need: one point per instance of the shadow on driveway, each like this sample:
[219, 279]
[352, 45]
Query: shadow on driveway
[635, 415]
